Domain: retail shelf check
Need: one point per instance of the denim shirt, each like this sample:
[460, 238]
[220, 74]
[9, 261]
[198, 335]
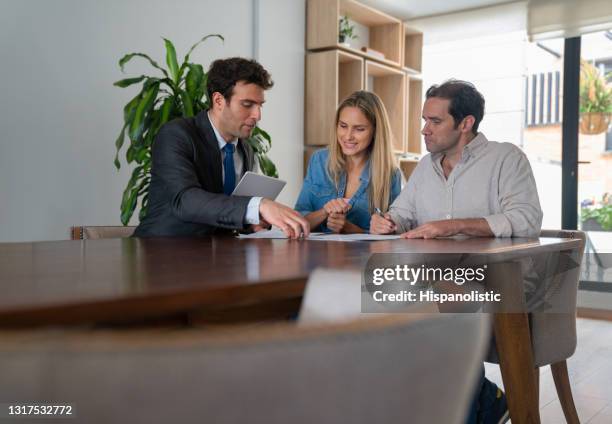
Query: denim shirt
[319, 188]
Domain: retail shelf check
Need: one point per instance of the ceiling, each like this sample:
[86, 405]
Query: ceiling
[409, 9]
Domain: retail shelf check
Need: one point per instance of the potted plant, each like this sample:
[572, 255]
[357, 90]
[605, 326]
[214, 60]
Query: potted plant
[597, 217]
[346, 30]
[595, 100]
[179, 91]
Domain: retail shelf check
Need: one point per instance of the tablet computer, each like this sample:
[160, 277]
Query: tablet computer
[252, 184]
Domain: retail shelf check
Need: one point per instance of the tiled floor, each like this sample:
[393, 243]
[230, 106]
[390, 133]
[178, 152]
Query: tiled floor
[590, 371]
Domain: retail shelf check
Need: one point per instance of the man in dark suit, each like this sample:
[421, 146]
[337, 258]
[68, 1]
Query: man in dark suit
[196, 163]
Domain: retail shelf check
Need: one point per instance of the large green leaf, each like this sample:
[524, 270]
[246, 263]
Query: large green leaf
[267, 166]
[171, 61]
[128, 81]
[193, 81]
[204, 85]
[166, 109]
[130, 108]
[200, 42]
[127, 209]
[130, 154]
[143, 206]
[186, 59]
[130, 195]
[258, 142]
[125, 59]
[259, 131]
[153, 128]
[118, 145]
[143, 186]
[137, 190]
[187, 104]
[136, 173]
[141, 154]
[146, 102]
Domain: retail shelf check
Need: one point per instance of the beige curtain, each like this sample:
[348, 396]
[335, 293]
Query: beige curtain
[567, 18]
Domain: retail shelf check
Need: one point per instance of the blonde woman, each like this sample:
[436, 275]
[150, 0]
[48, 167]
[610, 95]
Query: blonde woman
[356, 175]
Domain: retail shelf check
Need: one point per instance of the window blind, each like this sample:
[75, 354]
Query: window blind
[567, 18]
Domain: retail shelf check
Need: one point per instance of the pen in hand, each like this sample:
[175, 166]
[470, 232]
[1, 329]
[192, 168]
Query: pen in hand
[391, 224]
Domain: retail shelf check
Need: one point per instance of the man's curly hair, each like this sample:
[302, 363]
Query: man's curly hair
[223, 75]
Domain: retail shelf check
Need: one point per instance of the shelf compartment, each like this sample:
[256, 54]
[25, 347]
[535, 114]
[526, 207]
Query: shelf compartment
[385, 32]
[407, 167]
[413, 123]
[413, 51]
[390, 85]
[330, 77]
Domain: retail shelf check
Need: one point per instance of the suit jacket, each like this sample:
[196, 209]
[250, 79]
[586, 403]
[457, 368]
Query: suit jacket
[186, 191]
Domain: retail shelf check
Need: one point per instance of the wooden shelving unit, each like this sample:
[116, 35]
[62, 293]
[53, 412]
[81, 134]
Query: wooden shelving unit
[413, 51]
[331, 76]
[308, 151]
[390, 85]
[409, 159]
[385, 32]
[334, 70]
[350, 74]
[414, 95]
[407, 166]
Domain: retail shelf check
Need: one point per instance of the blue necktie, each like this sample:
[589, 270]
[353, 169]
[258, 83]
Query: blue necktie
[229, 182]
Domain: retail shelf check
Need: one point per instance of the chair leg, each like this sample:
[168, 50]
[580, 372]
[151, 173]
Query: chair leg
[564, 391]
[537, 384]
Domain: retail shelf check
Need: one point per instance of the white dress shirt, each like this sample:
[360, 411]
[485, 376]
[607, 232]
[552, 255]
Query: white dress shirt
[252, 214]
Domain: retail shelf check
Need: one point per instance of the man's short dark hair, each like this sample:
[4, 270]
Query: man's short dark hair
[223, 75]
[464, 99]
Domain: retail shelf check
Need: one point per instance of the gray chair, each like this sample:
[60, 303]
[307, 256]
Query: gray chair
[334, 295]
[331, 296]
[101, 232]
[553, 334]
[385, 370]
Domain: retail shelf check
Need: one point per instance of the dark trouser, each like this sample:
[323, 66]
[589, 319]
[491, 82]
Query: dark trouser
[484, 396]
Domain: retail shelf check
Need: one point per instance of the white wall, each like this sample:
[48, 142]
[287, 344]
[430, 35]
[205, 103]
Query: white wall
[487, 48]
[282, 29]
[60, 114]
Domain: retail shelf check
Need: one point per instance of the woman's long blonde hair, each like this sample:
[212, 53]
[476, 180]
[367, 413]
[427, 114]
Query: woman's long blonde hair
[382, 161]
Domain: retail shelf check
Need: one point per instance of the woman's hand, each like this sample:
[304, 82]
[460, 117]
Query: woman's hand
[336, 222]
[336, 206]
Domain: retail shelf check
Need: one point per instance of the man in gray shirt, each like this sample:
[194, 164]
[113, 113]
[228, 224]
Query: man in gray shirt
[466, 185]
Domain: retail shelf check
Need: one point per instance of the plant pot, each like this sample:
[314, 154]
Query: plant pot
[343, 41]
[594, 122]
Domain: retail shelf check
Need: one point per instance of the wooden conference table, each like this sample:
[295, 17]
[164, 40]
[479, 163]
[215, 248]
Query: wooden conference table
[216, 279]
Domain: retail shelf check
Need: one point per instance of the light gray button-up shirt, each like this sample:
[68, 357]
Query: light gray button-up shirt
[492, 180]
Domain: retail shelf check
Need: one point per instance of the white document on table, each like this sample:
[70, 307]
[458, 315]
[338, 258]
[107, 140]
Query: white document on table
[278, 234]
[274, 233]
